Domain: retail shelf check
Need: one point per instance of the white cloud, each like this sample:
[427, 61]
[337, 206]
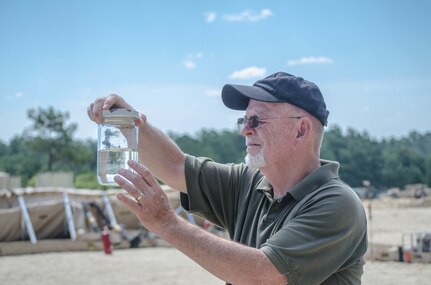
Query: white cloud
[189, 64]
[213, 92]
[210, 17]
[18, 95]
[248, 16]
[190, 61]
[248, 73]
[265, 13]
[310, 60]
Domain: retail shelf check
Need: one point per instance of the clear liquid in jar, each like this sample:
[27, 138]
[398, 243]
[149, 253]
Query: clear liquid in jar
[110, 160]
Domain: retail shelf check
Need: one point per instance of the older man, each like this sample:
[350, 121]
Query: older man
[289, 216]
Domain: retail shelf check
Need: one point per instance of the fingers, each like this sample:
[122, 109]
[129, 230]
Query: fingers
[144, 172]
[90, 111]
[141, 120]
[114, 100]
[134, 206]
[152, 205]
[136, 180]
[124, 180]
[139, 184]
[95, 109]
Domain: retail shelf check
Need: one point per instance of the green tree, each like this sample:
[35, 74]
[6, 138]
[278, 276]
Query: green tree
[88, 180]
[3, 149]
[49, 145]
[333, 142]
[19, 160]
[359, 155]
[50, 135]
[221, 146]
[81, 156]
[428, 170]
[402, 166]
[406, 159]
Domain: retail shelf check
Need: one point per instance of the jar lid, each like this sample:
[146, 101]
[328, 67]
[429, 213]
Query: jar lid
[120, 112]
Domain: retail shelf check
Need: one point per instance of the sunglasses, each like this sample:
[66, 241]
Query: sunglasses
[254, 121]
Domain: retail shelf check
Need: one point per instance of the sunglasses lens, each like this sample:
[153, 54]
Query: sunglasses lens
[253, 122]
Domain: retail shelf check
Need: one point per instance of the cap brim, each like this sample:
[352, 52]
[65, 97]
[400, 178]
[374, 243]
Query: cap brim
[237, 97]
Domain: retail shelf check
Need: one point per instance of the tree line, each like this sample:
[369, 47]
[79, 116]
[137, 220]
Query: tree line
[48, 145]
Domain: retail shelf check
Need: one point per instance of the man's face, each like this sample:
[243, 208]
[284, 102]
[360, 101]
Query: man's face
[269, 143]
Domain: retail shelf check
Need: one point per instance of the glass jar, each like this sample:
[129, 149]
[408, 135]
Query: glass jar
[117, 143]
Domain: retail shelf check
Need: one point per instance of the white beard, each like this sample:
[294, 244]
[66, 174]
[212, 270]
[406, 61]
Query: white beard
[255, 161]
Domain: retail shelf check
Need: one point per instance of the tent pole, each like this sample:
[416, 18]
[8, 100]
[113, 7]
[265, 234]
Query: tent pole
[27, 219]
[69, 216]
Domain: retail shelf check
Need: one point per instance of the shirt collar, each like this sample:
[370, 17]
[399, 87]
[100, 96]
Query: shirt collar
[328, 170]
[266, 188]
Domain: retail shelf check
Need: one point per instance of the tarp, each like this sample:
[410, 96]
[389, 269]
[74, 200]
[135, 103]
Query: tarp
[46, 208]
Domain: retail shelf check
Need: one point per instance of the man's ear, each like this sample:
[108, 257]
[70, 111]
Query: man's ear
[304, 128]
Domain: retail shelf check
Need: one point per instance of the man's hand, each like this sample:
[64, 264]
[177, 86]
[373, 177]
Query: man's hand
[95, 109]
[156, 150]
[151, 204]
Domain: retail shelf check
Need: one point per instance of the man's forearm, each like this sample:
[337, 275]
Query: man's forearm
[162, 156]
[228, 260]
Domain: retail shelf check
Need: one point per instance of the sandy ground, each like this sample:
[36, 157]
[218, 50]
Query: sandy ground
[158, 266]
[168, 266]
[388, 219]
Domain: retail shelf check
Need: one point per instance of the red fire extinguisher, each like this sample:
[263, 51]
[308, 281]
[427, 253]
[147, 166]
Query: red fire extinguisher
[107, 246]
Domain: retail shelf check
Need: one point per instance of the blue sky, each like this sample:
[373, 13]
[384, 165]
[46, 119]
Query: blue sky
[170, 59]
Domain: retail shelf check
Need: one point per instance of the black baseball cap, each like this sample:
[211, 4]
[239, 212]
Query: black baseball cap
[279, 87]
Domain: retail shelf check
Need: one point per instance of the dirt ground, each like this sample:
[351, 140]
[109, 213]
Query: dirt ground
[161, 265]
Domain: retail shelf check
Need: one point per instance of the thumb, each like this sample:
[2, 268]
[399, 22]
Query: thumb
[140, 122]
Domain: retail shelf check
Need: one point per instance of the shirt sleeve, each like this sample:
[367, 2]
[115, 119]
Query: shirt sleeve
[214, 189]
[327, 234]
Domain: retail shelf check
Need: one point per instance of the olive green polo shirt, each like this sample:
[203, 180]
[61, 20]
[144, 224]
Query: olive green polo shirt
[315, 234]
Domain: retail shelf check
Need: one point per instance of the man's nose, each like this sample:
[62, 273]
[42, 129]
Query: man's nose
[247, 130]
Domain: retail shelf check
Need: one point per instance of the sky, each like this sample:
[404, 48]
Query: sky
[170, 59]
